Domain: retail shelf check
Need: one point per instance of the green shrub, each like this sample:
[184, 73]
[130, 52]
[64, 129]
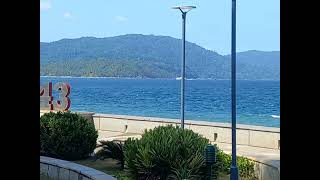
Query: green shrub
[67, 135]
[223, 162]
[111, 149]
[166, 152]
[245, 165]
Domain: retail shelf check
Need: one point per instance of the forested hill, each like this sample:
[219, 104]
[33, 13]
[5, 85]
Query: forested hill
[149, 56]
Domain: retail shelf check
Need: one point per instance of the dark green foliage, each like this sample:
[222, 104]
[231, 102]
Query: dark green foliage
[166, 152]
[67, 135]
[149, 56]
[223, 162]
[108, 68]
[111, 149]
[192, 168]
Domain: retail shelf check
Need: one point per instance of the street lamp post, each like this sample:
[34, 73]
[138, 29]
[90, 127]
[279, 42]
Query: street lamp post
[234, 168]
[184, 10]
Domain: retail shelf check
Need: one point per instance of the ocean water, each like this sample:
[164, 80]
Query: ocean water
[258, 102]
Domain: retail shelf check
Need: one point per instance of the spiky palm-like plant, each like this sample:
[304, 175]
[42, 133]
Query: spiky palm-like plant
[111, 149]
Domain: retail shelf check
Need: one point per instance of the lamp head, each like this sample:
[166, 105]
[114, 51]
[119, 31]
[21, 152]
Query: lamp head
[184, 9]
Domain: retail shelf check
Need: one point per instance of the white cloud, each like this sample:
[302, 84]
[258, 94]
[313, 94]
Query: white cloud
[67, 15]
[120, 18]
[45, 5]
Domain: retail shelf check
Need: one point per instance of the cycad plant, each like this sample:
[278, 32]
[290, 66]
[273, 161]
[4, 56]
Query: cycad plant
[166, 152]
[189, 169]
[111, 149]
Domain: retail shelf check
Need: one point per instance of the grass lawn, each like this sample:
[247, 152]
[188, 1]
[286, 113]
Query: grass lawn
[108, 166]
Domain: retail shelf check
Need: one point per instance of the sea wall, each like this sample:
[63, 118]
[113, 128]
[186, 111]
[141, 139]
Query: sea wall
[266, 137]
[109, 125]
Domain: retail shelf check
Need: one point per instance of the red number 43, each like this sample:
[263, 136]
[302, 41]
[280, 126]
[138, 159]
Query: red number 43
[46, 99]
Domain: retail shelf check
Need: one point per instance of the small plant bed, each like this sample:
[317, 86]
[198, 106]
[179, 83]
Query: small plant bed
[111, 167]
[164, 153]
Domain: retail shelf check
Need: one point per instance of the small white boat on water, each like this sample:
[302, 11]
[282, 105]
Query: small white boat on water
[179, 78]
[275, 116]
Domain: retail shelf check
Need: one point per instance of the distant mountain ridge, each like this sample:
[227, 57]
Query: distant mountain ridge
[149, 56]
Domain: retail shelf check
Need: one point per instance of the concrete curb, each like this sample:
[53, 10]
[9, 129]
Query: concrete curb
[65, 170]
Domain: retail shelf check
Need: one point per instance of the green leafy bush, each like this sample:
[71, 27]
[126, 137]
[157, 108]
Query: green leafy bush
[166, 152]
[223, 162]
[245, 165]
[111, 149]
[66, 135]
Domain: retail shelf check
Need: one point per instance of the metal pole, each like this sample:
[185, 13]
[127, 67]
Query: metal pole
[183, 67]
[234, 169]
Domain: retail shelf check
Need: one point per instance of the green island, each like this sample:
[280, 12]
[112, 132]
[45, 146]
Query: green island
[149, 56]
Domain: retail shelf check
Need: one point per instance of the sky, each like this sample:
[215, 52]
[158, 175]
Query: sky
[209, 25]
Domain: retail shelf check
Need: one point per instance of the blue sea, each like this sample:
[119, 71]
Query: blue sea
[208, 100]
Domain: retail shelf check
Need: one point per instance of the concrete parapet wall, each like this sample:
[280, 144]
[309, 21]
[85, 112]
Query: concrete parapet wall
[266, 137]
[256, 136]
[87, 115]
[65, 170]
[266, 172]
